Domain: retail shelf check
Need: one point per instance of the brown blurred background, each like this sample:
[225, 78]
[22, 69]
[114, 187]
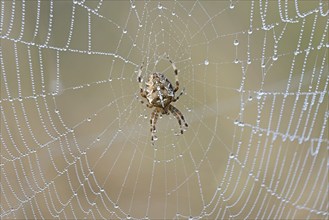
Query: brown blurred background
[76, 142]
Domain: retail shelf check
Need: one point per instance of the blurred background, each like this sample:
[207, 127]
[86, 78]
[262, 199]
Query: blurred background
[76, 141]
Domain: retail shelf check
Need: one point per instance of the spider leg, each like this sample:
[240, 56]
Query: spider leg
[142, 101]
[153, 121]
[142, 91]
[179, 116]
[176, 74]
[139, 79]
[181, 93]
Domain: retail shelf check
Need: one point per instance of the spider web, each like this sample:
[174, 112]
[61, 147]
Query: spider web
[75, 139]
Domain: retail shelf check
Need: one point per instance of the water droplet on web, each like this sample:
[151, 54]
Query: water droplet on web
[236, 61]
[159, 6]
[173, 13]
[236, 42]
[250, 98]
[232, 155]
[116, 206]
[275, 57]
[88, 119]
[155, 138]
[133, 6]
[206, 62]
[241, 124]
[124, 31]
[232, 6]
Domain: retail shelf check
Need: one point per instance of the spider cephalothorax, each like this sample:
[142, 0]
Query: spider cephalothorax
[159, 93]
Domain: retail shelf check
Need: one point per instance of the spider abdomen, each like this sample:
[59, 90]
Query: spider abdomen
[159, 90]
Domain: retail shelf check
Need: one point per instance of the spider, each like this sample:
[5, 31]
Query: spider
[159, 93]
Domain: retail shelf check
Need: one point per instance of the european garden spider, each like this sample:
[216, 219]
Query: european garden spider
[159, 93]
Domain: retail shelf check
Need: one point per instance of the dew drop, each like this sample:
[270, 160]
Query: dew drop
[133, 6]
[232, 6]
[206, 62]
[160, 6]
[275, 57]
[236, 42]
